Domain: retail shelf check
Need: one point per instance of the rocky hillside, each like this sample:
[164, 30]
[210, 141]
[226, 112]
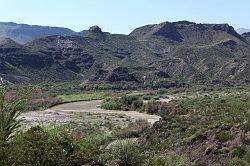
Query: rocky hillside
[246, 36]
[150, 55]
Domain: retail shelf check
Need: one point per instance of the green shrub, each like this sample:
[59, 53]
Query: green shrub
[239, 152]
[4, 153]
[127, 153]
[154, 162]
[224, 136]
[134, 130]
[128, 100]
[171, 160]
[90, 146]
[160, 108]
[34, 148]
[152, 107]
[111, 106]
[247, 157]
[156, 98]
[237, 162]
[136, 105]
[247, 125]
[146, 98]
[37, 147]
[43, 103]
[124, 103]
[95, 140]
[105, 158]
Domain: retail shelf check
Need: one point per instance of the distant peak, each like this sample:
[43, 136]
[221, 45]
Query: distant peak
[95, 29]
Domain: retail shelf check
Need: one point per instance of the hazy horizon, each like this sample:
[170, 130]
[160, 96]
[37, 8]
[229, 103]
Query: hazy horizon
[240, 28]
[123, 17]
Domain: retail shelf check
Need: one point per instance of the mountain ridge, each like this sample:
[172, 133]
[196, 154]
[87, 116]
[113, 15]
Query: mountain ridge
[23, 33]
[151, 55]
[175, 30]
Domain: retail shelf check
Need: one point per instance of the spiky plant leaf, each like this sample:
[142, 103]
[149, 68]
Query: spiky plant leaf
[9, 111]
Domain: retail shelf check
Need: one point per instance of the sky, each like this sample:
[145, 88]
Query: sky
[122, 16]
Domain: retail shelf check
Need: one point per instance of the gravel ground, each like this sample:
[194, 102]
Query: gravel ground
[84, 112]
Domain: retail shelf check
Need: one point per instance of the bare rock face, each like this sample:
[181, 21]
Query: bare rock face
[120, 74]
[100, 75]
[67, 53]
[233, 69]
[224, 27]
[162, 74]
[16, 55]
[95, 29]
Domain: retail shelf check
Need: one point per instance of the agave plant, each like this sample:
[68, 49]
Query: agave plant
[9, 111]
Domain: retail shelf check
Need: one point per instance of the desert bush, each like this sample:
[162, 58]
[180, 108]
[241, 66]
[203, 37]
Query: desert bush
[239, 152]
[90, 146]
[152, 107]
[134, 130]
[136, 104]
[156, 98]
[105, 158]
[237, 162]
[202, 115]
[43, 103]
[34, 148]
[246, 126]
[95, 140]
[127, 153]
[224, 136]
[160, 108]
[38, 99]
[4, 153]
[37, 147]
[154, 162]
[111, 106]
[171, 160]
[247, 157]
[125, 103]
[128, 100]
[146, 97]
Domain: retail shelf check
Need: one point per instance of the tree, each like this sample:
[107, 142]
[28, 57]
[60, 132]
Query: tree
[9, 111]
